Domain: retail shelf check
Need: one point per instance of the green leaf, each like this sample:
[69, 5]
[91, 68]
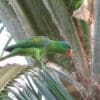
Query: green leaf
[44, 90]
[70, 79]
[15, 93]
[4, 96]
[55, 86]
[31, 87]
[33, 84]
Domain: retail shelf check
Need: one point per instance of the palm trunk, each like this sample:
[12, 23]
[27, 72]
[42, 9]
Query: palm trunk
[96, 56]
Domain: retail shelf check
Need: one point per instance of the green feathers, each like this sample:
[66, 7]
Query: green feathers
[37, 48]
[36, 42]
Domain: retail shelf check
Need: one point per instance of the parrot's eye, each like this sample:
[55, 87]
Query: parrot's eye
[69, 53]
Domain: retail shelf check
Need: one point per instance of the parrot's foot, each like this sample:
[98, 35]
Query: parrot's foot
[39, 64]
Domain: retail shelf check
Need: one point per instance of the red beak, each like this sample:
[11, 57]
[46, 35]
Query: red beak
[69, 53]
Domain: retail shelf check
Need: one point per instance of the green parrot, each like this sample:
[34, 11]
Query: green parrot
[38, 47]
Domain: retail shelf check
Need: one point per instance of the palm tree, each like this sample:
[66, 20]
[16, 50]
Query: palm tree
[51, 18]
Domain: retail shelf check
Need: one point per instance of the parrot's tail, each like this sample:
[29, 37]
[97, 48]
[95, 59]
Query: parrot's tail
[9, 49]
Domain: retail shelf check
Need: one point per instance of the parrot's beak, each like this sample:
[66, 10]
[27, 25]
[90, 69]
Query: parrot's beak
[69, 53]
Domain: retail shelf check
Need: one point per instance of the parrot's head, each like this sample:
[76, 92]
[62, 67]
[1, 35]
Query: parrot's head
[68, 48]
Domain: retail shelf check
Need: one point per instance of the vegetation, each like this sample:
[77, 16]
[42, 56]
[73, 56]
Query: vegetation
[59, 78]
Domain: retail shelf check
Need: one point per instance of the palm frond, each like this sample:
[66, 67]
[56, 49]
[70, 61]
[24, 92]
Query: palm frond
[67, 77]
[35, 84]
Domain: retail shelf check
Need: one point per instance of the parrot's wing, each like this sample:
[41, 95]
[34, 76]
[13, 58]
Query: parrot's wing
[36, 42]
[40, 41]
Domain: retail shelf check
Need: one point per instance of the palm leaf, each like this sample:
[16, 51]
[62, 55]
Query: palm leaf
[67, 77]
[35, 84]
